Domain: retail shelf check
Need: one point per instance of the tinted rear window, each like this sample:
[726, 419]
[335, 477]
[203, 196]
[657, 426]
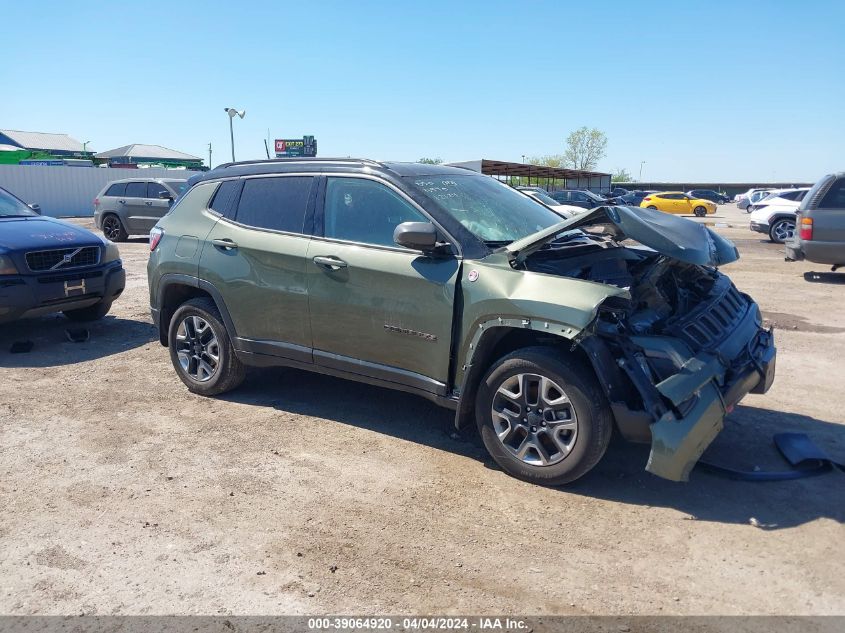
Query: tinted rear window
[275, 203]
[136, 190]
[117, 189]
[225, 200]
[835, 196]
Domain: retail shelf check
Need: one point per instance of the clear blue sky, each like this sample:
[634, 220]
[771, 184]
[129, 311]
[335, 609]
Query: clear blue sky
[726, 91]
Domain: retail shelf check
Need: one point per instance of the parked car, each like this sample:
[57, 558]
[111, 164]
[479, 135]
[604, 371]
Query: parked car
[579, 198]
[454, 286]
[820, 222]
[783, 197]
[633, 198]
[751, 196]
[563, 210]
[618, 192]
[709, 194]
[133, 206]
[678, 202]
[527, 188]
[47, 265]
[776, 220]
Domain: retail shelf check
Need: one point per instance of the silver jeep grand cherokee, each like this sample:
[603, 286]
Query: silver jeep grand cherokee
[133, 205]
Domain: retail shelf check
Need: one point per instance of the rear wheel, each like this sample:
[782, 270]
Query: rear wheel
[782, 230]
[543, 419]
[113, 229]
[700, 212]
[651, 206]
[201, 351]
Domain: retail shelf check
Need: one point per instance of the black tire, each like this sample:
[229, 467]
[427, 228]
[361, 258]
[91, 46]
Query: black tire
[651, 206]
[778, 228]
[229, 372]
[113, 228]
[592, 413]
[700, 212]
[91, 313]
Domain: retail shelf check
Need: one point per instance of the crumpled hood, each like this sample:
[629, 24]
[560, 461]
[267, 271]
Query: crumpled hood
[41, 233]
[669, 235]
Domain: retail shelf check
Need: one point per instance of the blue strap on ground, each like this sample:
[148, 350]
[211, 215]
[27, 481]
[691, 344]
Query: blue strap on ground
[806, 459]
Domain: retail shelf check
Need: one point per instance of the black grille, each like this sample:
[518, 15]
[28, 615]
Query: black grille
[714, 319]
[63, 259]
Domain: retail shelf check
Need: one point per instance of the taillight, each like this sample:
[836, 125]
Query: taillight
[806, 230]
[155, 237]
[647, 198]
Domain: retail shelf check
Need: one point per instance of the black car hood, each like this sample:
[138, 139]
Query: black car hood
[669, 235]
[42, 233]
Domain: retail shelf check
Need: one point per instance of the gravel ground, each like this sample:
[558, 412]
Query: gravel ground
[122, 493]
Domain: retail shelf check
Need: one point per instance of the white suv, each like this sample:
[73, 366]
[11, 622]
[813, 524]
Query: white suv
[775, 214]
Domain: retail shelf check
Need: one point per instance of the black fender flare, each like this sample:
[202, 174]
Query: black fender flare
[179, 279]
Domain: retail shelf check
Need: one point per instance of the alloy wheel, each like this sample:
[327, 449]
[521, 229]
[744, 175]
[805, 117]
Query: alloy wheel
[197, 348]
[534, 419]
[783, 230]
[111, 228]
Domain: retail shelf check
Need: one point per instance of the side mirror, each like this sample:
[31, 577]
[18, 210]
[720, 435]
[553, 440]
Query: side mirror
[36, 208]
[418, 236]
[165, 195]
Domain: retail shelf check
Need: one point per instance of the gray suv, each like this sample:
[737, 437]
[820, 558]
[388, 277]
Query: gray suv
[820, 224]
[134, 205]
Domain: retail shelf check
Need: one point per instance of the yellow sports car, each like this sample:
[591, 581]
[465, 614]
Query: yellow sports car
[678, 202]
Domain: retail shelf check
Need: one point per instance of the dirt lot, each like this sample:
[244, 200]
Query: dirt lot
[123, 493]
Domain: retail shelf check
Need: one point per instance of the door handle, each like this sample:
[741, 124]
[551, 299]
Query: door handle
[148, 203]
[122, 201]
[329, 263]
[225, 244]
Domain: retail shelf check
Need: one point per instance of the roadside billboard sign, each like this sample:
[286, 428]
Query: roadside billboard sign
[292, 147]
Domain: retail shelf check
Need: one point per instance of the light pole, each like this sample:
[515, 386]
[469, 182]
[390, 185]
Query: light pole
[523, 158]
[232, 112]
[209, 155]
[642, 162]
[84, 146]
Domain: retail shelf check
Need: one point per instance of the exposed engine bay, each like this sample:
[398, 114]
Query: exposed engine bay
[664, 291]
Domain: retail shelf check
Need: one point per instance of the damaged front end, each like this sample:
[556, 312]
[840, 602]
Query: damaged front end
[677, 355]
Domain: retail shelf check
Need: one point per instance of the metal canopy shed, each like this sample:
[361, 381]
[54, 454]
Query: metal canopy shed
[551, 178]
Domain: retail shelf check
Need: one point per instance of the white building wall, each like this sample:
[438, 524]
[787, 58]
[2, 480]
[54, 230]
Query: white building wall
[70, 191]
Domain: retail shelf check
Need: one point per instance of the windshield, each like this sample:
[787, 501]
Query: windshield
[489, 209]
[178, 186]
[9, 205]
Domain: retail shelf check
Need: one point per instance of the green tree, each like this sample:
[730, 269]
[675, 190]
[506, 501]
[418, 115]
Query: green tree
[585, 148]
[430, 161]
[552, 160]
[621, 175]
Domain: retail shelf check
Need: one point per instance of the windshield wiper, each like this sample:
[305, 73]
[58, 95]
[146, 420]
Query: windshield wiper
[17, 215]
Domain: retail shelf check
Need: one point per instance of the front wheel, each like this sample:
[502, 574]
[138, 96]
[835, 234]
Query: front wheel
[201, 351]
[542, 418]
[782, 230]
[700, 212]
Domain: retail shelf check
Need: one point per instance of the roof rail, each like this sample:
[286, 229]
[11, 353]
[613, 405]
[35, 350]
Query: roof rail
[300, 159]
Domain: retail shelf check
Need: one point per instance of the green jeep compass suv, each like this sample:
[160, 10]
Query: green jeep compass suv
[451, 285]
